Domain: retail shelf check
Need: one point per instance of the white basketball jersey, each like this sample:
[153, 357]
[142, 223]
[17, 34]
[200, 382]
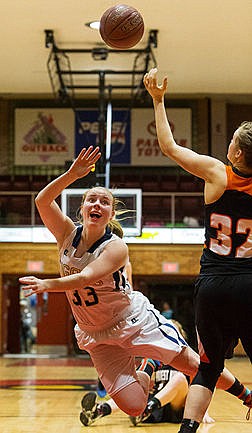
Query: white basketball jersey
[100, 306]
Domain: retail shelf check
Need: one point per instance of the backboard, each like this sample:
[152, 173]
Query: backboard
[130, 200]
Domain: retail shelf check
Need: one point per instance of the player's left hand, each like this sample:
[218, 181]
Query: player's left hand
[85, 161]
[150, 81]
[33, 285]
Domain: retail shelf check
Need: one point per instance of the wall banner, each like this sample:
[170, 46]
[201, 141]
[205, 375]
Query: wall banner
[44, 136]
[87, 133]
[145, 150]
[53, 136]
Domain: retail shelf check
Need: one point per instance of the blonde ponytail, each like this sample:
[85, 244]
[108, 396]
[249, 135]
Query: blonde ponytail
[116, 228]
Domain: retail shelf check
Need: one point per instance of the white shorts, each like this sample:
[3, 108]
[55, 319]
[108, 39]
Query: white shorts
[142, 332]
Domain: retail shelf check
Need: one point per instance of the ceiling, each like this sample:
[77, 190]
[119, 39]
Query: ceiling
[204, 46]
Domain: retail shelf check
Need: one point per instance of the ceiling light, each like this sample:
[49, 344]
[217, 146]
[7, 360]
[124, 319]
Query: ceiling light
[95, 25]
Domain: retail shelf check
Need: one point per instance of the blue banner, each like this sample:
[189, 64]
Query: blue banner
[87, 133]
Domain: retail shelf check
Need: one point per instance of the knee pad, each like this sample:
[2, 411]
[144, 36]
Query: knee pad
[207, 376]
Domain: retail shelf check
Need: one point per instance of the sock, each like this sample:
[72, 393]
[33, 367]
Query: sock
[104, 409]
[153, 404]
[149, 365]
[239, 390]
[188, 426]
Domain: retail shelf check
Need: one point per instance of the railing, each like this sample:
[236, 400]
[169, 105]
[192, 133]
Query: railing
[176, 208]
[160, 209]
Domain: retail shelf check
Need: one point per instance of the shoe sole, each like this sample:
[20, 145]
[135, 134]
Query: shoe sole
[83, 419]
[87, 404]
[88, 401]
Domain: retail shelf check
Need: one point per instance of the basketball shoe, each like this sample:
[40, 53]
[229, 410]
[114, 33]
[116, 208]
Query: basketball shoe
[152, 404]
[90, 410]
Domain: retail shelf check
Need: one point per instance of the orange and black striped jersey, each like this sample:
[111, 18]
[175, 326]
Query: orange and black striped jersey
[228, 224]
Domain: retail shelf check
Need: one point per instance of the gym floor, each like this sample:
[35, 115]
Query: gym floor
[43, 394]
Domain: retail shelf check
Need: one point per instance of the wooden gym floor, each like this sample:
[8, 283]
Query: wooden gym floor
[42, 395]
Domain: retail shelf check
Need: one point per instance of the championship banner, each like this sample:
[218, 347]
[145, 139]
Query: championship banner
[145, 150]
[44, 136]
[87, 133]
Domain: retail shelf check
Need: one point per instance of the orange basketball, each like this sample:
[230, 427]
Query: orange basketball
[121, 26]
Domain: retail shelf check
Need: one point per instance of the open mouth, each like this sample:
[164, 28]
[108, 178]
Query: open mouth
[95, 215]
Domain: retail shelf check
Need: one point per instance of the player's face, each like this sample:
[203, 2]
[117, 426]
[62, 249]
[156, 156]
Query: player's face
[98, 206]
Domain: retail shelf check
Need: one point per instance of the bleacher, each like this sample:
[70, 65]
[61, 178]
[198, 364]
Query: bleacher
[167, 200]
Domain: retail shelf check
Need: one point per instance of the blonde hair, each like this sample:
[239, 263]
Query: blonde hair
[244, 134]
[180, 328]
[116, 228]
[114, 223]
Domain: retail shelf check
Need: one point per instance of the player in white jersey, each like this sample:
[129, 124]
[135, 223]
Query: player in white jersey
[114, 323]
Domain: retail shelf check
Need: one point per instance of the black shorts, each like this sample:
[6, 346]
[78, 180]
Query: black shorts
[166, 414]
[223, 313]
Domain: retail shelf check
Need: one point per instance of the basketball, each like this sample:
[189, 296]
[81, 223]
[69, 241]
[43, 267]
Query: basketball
[121, 26]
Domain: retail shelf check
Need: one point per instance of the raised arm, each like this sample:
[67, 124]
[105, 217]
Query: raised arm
[203, 166]
[53, 218]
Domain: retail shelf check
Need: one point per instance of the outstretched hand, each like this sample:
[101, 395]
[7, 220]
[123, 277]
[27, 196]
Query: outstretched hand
[85, 161]
[150, 81]
[33, 285]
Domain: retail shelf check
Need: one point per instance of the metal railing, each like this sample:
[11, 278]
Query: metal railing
[17, 208]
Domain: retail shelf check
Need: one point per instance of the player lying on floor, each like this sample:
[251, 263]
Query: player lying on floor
[165, 404]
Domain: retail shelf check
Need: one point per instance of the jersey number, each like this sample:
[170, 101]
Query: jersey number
[223, 244]
[91, 297]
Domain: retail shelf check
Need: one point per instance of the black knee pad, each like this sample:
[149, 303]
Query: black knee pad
[207, 376]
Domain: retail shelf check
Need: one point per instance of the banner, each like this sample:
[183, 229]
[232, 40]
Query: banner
[87, 133]
[145, 150]
[53, 136]
[44, 136]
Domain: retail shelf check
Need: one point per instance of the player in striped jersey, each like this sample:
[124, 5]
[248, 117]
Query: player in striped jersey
[166, 396]
[114, 323]
[165, 403]
[223, 294]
